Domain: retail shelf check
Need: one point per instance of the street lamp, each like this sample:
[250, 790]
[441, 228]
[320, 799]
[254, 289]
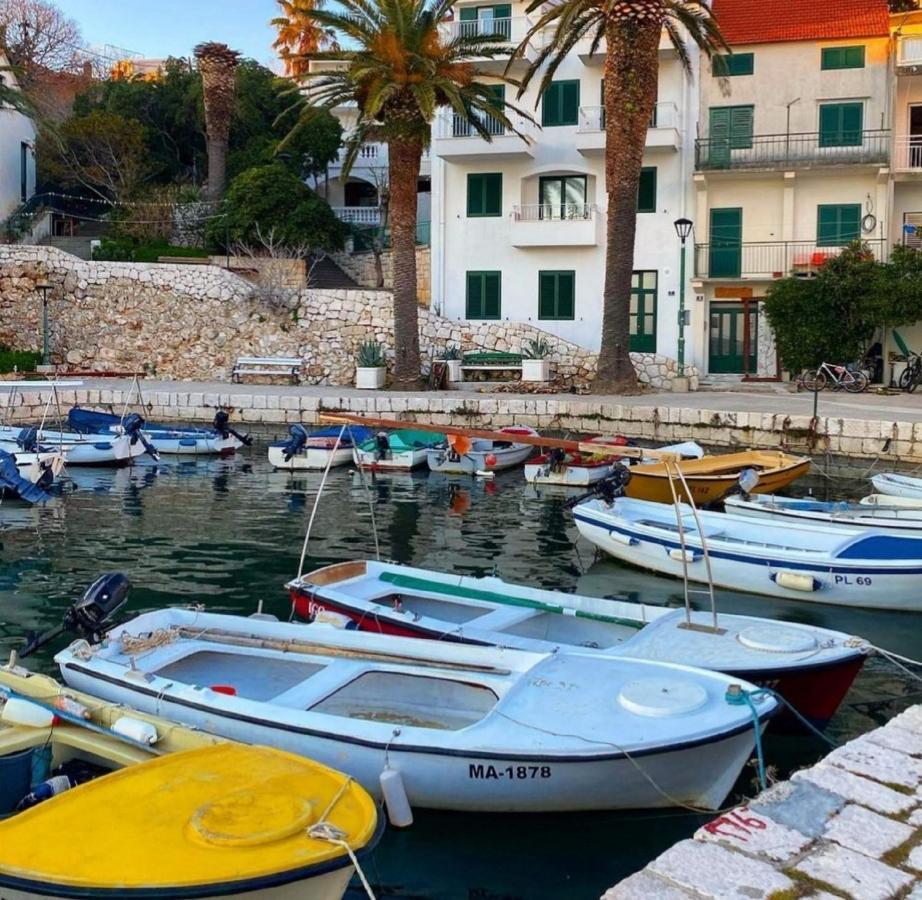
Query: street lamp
[683, 228]
[44, 287]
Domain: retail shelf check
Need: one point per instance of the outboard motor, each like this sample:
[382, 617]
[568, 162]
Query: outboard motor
[297, 438]
[12, 481]
[382, 445]
[221, 425]
[133, 424]
[556, 459]
[27, 439]
[608, 488]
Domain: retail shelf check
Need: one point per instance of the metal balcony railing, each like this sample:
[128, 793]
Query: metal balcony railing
[772, 259]
[815, 148]
[450, 125]
[665, 115]
[907, 153]
[553, 212]
[909, 50]
[512, 29]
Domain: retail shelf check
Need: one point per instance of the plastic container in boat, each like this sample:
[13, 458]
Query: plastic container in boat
[22, 712]
[142, 732]
[15, 779]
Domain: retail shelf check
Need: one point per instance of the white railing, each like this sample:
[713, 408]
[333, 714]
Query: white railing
[369, 155]
[553, 212]
[451, 125]
[907, 153]
[910, 50]
[360, 215]
[512, 30]
[665, 115]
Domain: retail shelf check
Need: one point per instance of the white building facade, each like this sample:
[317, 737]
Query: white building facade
[17, 151]
[518, 223]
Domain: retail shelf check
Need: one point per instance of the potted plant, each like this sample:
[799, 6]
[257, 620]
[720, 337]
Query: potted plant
[452, 356]
[536, 366]
[369, 366]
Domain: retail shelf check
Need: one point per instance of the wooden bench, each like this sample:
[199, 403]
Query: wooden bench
[185, 260]
[289, 366]
[491, 361]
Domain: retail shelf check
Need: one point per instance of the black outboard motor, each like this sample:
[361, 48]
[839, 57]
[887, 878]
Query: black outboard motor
[133, 424]
[221, 424]
[297, 438]
[608, 488]
[12, 481]
[382, 445]
[556, 459]
[91, 616]
[27, 439]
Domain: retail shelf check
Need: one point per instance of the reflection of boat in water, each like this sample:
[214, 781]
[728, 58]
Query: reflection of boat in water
[104, 480]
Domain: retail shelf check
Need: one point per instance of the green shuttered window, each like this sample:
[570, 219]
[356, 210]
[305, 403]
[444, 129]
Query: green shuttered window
[732, 126]
[561, 103]
[483, 295]
[842, 58]
[556, 295]
[841, 124]
[646, 193]
[485, 194]
[837, 224]
[732, 64]
[643, 312]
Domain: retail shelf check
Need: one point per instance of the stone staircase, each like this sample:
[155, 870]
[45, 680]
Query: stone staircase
[326, 274]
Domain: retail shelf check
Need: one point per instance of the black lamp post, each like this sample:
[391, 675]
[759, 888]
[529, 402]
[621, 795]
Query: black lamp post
[44, 287]
[683, 228]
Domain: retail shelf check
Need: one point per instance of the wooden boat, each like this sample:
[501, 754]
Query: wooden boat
[467, 728]
[581, 468]
[812, 668]
[219, 439]
[712, 477]
[832, 514]
[895, 485]
[468, 456]
[401, 450]
[218, 819]
[315, 450]
[846, 567]
[77, 449]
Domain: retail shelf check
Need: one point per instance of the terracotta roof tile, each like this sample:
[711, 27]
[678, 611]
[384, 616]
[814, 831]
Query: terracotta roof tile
[777, 21]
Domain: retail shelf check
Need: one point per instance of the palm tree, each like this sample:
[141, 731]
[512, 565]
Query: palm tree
[217, 64]
[299, 35]
[631, 32]
[398, 70]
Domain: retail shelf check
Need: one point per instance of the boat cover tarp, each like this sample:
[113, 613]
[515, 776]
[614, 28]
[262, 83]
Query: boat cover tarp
[407, 439]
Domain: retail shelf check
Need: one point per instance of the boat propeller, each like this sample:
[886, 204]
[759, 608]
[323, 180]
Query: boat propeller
[221, 424]
[608, 488]
[133, 425]
[91, 616]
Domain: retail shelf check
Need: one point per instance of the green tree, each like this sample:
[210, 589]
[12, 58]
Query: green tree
[398, 70]
[272, 200]
[628, 33]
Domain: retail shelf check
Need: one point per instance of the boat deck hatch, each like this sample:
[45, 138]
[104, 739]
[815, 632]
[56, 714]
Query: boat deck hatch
[252, 677]
[412, 700]
[458, 613]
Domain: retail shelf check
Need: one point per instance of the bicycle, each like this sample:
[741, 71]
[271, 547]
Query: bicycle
[912, 374]
[847, 377]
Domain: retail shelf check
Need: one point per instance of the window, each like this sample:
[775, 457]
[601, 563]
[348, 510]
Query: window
[556, 295]
[841, 124]
[485, 194]
[646, 193]
[837, 224]
[732, 64]
[732, 126]
[842, 58]
[561, 103]
[23, 171]
[483, 295]
[562, 197]
[477, 20]
[643, 312]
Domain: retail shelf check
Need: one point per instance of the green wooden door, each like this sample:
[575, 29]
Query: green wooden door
[726, 249]
[727, 339]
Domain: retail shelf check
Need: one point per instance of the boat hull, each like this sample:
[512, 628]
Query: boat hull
[898, 486]
[313, 458]
[179, 444]
[101, 450]
[475, 461]
[567, 476]
[396, 460]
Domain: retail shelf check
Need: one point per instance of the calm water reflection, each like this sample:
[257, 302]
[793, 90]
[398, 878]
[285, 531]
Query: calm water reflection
[228, 534]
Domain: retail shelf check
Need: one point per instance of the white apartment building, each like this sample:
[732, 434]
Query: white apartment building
[518, 223]
[792, 161]
[17, 151]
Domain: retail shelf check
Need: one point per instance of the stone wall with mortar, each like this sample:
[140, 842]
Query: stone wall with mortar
[193, 321]
[360, 267]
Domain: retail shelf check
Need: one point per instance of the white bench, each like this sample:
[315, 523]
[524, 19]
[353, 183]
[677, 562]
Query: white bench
[289, 366]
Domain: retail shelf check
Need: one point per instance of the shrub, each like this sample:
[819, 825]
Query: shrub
[20, 360]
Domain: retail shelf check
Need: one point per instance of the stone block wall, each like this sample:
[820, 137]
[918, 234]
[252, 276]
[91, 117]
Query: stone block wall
[361, 268]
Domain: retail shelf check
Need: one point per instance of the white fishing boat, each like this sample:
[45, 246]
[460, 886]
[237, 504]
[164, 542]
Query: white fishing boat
[891, 500]
[812, 668]
[461, 455]
[459, 727]
[897, 485]
[834, 514]
[399, 450]
[847, 567]
[581, 468]
[331, 446]
[77, 449]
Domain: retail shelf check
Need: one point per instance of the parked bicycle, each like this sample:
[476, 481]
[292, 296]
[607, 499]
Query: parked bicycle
[912, 374]
[848, 378]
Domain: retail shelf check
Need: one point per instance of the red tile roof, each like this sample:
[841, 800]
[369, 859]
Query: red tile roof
[777, 21]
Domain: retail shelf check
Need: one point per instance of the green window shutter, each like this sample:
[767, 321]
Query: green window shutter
[733, 64]
[841, 125]
[854, 57]
[547, 294]
[560, 105]
[852, 124]
[474, 296]
[556, 295]
[741, 120]
[550, 106]
[837, 224]
[491, 295]
[485, 194]
[468, 14]
[566, 291]
[483, 295]
[719, 126]
[475, 195]
[570, 101]
[842, 57]
[503, 11]
[646, 194]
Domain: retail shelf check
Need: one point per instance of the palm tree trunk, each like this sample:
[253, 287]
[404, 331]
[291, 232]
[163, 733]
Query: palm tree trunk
[217, 168]
[631, 73]
[403, 174]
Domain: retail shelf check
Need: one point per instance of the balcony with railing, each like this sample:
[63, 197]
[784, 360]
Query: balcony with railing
[663, 132]
[770, 259]
[372, 155]
[770, 151]
[358, 215]
[907, 154]
[511, 31]
[554, 225]
[455, 139]
[909, 51]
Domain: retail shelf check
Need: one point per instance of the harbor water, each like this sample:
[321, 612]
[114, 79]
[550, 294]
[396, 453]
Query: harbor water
[227, 534]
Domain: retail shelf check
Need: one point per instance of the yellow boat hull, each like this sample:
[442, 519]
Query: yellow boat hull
[712, 477]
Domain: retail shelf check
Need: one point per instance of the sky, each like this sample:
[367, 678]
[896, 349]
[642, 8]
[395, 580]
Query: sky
[161, 28]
